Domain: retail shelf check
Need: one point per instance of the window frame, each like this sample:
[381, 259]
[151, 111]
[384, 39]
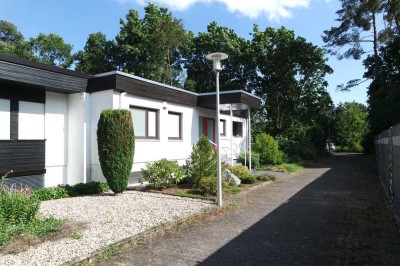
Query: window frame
[147, 111]
[180, 125]
[241, 129]
[222, 133]
[9, 120]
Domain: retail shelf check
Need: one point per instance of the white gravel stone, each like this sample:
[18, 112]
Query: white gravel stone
[109, 219]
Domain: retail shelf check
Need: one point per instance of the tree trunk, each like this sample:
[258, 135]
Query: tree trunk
[376, 56]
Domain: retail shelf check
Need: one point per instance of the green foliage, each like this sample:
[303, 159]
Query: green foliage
[202, 161]
[255, 159]
[301, 141]
[285, 167]
[163, 173]
[192, 193]
[248, 179]
[268, 149]
[51, 49]
[217, 38]
[383, 92]
[293, 89]
[266, 177]
[239, 170]
[208, 185]
[50, 193]
[98, 56]
[151, 47]
[116, 146]
[17, 206]
[351, 125]
[65, 191]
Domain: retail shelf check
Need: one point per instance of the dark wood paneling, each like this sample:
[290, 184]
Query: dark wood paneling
[48, 80]
[141, 88]
[208, 101]
[22, 155]
[108, 82]
[155, 91]
[28, 63]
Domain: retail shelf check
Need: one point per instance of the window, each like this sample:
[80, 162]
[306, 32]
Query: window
[174, 126]
[31, 120]
[145, 123]
[5, 120]
[222, 127]
[237, 129]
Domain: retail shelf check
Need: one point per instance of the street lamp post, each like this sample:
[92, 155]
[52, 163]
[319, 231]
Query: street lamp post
[217, 67]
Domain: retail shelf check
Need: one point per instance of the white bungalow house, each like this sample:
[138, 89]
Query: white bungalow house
[49, 115]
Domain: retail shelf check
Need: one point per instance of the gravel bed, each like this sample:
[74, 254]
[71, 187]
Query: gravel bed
[108, 218]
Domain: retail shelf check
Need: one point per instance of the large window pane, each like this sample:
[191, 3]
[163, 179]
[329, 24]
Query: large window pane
[31, 120]
[145, 123]
[174, 126]
[5, 119]
[152, 124]
[139, 122]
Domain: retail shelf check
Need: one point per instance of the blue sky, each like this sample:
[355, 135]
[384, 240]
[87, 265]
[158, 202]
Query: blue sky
[75, 20]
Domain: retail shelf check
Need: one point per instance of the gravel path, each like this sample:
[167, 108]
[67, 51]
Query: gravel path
[108, 219]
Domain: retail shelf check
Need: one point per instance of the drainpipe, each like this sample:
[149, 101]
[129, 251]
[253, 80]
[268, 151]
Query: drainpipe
[231, 113]
[120, 99]
[249, 136]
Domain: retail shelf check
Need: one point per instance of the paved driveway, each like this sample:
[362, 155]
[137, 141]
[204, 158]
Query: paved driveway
[331, 214]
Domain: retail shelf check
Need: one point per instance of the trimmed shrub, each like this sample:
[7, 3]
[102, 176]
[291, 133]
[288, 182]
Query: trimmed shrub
[268, 149]
[247, 179]
[239, 170]
[255, 159]
[163, 173]
[65, 191]
[116, 147]
[202, 162]
[208, 185]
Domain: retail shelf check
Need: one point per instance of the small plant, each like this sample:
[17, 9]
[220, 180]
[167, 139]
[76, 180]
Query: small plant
[202, 162]
[65, 191]
[17, 206]
[163, 173]
[239, 170]
[268, 149]
[248, 179]
[208, 185]
[266, 177]
[116, 147]
[255, 159]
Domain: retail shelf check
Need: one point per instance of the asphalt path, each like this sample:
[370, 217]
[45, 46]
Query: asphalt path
[333, 213]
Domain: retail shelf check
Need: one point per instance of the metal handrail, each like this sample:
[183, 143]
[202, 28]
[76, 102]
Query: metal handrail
[238, 154]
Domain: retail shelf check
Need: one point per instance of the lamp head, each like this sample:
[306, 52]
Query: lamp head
[217, 58]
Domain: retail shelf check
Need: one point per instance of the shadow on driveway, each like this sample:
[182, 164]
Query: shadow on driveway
[340, 218]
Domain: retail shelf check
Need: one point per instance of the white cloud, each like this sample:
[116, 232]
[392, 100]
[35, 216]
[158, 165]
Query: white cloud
[273, 9]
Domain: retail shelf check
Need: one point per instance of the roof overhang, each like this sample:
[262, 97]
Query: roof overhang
[18, 72]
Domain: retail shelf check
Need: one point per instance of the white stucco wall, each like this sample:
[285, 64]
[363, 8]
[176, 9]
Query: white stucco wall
[239, 142]
[56, 133]
[153, 150]
[78, 139]
[147, 150]
[99, 101]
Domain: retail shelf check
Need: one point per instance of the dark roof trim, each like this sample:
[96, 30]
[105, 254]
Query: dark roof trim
[33, 64]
